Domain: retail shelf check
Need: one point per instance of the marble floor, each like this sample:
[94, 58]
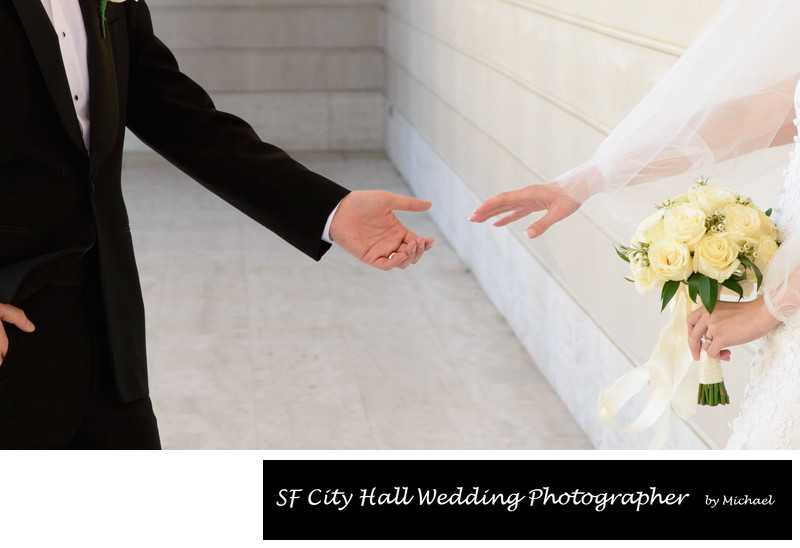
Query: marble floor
[254, 346]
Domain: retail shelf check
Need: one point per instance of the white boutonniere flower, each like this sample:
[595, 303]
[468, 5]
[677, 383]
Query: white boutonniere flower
[101, 6]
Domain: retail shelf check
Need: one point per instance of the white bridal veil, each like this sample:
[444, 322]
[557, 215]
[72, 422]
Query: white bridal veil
[717, 113]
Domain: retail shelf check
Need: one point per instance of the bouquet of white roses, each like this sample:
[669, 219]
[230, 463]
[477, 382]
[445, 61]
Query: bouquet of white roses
[710, 239]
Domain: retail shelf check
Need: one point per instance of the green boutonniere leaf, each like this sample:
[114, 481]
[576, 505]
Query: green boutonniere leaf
[101, 7]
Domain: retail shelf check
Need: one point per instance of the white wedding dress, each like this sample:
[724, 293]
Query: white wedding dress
[716, 114]
[770, 411]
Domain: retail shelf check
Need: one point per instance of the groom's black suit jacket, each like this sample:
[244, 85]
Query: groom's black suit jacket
[57, 200]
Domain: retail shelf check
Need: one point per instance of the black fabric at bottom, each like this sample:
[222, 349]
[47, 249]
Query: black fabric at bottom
[55, 383]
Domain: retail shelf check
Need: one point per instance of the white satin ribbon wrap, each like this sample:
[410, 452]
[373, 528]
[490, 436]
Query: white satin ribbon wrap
[671, 372]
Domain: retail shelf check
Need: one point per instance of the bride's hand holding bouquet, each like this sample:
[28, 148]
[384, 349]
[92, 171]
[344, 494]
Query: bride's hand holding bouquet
[731, 324]
[698, 245]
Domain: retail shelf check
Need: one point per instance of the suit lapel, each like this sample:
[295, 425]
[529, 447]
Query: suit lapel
[45, 46]
[103, 98]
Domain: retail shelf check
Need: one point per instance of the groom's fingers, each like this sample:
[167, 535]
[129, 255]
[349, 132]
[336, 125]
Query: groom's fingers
[396, 202]
[423, 245]
[411, 255]
[3, 343]
[410, 252]
[15, 316]
[394, 260]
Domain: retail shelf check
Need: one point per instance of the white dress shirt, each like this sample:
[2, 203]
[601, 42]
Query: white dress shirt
[67, 20]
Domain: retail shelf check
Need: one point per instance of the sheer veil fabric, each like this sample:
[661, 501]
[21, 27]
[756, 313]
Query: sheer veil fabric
[718, 113]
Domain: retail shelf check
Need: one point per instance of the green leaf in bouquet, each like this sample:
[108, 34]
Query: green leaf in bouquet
[745, 261]
[768, 212]
[759, 276]
[667, 292]
[621, 252]
[756, 271]
[734, 286]
[709, 293]
[738, 276]
[694, 285]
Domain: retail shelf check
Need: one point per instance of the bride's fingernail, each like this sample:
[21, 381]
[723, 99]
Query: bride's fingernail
[531, 233]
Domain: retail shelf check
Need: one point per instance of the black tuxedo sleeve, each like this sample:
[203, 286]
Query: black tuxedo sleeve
[176, 117]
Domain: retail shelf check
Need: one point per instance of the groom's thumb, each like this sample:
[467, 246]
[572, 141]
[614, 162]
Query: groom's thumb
[406, 203]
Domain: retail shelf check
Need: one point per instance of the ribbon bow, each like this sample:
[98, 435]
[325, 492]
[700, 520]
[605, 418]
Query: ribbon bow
[671, 373]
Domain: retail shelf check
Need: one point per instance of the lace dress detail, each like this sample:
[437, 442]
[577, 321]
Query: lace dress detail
[770, 411]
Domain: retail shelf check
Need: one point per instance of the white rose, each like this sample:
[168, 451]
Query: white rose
[743, 219]
[710, 198]
[685, 223]
[643, 276]
[716, 257]
[650, 229]
[768, 227]
[670, 259]
[767, 247]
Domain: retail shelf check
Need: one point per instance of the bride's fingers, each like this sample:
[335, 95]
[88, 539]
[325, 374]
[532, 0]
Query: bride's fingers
[491, 209]
[506, 202]
[516, 216]
[697, 326]
[693, 318]
[549, 219]
[711, 348]
[695, 334]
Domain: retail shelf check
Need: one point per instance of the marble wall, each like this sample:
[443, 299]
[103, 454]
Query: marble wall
[485, 96]
[309, 76]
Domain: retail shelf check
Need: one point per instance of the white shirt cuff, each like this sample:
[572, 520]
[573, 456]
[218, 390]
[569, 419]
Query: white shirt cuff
[326, 234]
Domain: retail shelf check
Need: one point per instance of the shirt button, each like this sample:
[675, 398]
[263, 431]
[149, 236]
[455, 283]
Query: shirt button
[63, 34]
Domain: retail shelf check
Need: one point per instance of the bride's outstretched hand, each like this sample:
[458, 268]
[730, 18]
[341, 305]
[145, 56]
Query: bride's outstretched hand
[520, 203]
[731, 324]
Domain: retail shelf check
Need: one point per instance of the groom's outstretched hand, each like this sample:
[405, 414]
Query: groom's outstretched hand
[520, 203]
[366, 227]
